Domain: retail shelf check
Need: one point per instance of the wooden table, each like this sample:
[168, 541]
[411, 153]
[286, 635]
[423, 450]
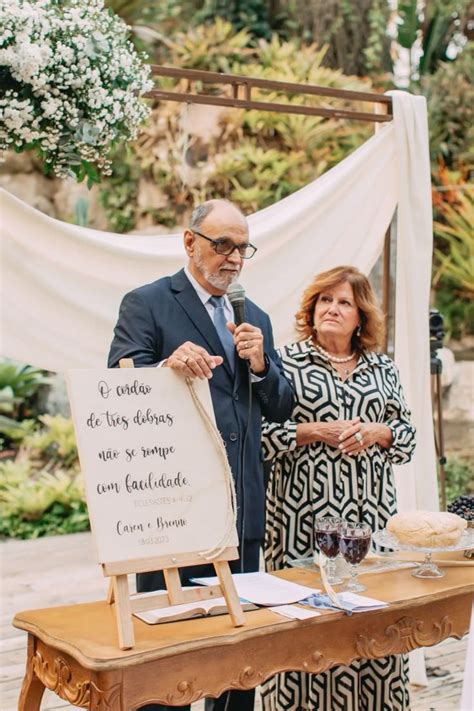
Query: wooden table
[73, 650]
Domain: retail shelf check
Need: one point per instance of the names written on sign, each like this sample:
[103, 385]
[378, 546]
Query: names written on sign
[152, 470]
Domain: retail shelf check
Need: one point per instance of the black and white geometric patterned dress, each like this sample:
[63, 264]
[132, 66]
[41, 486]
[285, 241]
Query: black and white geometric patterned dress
[316, 480]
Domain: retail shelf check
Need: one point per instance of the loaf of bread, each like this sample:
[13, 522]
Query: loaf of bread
[427, 529]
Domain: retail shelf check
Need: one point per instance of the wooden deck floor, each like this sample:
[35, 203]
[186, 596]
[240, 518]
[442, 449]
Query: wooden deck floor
[61, 571]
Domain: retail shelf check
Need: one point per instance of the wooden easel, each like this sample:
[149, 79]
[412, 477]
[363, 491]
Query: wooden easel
[125, 606]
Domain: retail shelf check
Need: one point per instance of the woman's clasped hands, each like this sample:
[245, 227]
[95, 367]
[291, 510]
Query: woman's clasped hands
[358, 436]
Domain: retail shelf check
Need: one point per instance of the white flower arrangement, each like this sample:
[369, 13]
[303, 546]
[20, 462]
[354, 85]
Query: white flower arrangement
[71, 83]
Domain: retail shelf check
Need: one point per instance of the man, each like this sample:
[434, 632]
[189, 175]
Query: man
[185, 322]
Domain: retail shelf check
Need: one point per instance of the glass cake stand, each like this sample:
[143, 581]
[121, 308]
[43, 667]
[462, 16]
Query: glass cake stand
[428, 568]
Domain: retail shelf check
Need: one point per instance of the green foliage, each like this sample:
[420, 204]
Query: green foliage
[354, 34]
[376, 51]
[256, 177]
[118, 193]
[81, 212]
[167, 16]
[442, 26]
[436, 26]
[160, 22]
[459, 478]
[14, 473]
[252, 157]
[36, 502]
[137, 11]
[453, 270]
[19, 384]
[41, 491]
[458, 313]
[15, 431]
[56, 442]
[55, 521]
[259, 17]
[455, 259]
[409, 24]
[216, 47]
[256, 158]
[450, 97]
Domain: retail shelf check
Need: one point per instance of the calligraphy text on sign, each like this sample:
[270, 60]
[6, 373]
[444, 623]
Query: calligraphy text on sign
[152, 469]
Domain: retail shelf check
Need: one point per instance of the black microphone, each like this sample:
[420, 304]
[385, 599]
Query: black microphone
[236, 295]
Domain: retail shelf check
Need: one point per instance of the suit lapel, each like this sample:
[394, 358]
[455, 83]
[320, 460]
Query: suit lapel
[192, 305]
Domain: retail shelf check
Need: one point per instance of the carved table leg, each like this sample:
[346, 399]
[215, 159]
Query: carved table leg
[32, 689]
[106, 692]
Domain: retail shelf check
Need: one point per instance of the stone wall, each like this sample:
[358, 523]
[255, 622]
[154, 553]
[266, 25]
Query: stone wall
[21, 175]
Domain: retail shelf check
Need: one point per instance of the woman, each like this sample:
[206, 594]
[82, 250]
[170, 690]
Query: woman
[334, 458]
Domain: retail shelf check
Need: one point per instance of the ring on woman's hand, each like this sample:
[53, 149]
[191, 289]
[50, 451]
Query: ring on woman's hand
[358, 437]
[186, 360]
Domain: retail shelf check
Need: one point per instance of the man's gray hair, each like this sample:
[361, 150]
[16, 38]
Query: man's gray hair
[200, 212]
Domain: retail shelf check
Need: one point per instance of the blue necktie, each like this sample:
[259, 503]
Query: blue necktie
[221, 328]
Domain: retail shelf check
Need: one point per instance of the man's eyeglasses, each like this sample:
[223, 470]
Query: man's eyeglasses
[224, 245]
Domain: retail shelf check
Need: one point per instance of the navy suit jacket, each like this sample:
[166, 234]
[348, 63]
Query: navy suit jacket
[157, 318]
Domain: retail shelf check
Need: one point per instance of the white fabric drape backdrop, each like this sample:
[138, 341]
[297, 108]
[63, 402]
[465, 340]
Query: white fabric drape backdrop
[63, 283]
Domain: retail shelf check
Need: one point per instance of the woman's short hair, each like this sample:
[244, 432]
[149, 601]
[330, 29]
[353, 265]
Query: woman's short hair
[372, 320]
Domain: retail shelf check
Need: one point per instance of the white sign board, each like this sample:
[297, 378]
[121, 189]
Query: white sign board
[155, 476]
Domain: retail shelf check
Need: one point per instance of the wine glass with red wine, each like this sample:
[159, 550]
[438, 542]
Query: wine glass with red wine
[326, 534]
[354, 544]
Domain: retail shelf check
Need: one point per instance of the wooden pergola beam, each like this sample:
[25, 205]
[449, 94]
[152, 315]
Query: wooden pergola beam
[238, 83]
[382, 112]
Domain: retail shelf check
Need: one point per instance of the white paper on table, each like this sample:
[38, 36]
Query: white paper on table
[359, 603]
[264, 589]
[294, 612]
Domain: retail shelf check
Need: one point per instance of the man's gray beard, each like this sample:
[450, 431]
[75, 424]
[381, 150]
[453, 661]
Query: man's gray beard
[216, 279]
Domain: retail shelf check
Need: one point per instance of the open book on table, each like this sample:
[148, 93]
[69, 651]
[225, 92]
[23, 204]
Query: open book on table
[200, 608]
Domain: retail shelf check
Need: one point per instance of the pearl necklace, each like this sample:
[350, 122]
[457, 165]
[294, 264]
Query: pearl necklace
[334, 359]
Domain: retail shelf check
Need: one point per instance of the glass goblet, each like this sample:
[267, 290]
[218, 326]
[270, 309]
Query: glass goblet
[354, 544]
[326, 534]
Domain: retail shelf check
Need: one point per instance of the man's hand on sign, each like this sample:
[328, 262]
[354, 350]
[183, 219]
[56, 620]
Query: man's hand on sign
[193, 361]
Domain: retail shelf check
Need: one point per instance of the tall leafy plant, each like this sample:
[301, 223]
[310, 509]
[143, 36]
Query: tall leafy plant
[19, 386]
[453, 271]
[455, 258]
[259, 17]
[433, 32]
[354, 34]
[450, 97]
